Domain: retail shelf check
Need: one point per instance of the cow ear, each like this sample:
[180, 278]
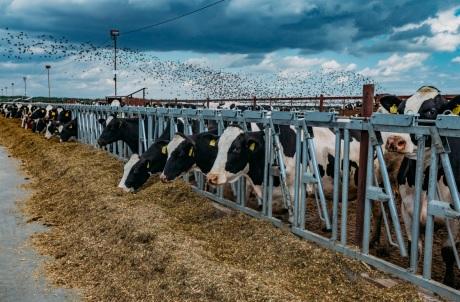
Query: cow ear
[390, 103]
[255, 141]
[452, 106]
[209, 139]
[101, 121]
[253, 145]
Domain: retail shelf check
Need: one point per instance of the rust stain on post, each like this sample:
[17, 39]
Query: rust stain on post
[366, 111]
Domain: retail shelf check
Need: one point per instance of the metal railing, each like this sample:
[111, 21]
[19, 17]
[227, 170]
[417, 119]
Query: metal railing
[307, 191]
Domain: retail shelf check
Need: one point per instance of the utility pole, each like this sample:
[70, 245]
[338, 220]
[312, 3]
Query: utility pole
[25, 86]
[6, 90]
[49, 86]
[2, 91]
[12, 89]
[114, 33]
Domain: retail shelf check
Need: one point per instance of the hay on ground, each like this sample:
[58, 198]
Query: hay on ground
[167, 243]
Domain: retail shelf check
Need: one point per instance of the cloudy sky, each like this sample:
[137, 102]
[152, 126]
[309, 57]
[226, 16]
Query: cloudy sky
[400, 44]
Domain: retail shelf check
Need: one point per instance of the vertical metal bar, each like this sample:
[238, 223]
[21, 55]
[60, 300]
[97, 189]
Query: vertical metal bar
[345, 182]
[335, 197]
[391, 203]
[303, 189]
[149, 129]
[415, 227]
[366, 111]
[429, 226]
[297, 175]
[450, 179]
[367, 202]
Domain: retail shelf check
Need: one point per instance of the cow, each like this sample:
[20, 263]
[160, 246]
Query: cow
[427, 102]
[124, 129]
[242, 153]
[150, 162]
[64, 116]
[185, 152]
[68, 131]
[52, 129]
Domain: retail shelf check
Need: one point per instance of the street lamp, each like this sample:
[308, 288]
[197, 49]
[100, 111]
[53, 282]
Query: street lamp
[114, 33]
[25, 86]
[49, 87]
[12, 89]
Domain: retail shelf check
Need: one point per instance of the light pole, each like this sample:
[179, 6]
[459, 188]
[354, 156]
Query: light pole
[12, 89]
[49, 87]
[25, 86]
[114, 33]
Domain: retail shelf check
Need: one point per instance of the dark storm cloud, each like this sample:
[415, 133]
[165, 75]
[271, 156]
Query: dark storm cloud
[239, 26]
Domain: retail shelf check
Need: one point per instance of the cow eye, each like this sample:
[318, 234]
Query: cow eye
[236, 150]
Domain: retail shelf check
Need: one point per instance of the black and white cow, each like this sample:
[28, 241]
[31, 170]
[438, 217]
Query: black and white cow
[68, 131]
[427, 103]
[138, 169]
[64, 116]
[124, 129]
[242, 153]
[187, 152]
[52, 129]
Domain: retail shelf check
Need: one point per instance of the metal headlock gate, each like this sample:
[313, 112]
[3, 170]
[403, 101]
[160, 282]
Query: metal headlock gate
[307, 186]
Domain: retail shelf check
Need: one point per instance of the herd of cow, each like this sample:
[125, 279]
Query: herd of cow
[239, 152]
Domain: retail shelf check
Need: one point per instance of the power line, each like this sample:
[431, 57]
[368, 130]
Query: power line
[173, 18]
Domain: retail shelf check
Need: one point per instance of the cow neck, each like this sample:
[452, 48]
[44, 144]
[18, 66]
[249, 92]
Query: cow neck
[128, 137]
[256, 163]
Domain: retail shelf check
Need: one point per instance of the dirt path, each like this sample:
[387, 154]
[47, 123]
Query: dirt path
[19, 263]
[167, 243]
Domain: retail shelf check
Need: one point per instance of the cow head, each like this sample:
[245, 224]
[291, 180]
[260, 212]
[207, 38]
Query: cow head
[112, 130]
[150, 162]
[389, 104]
[68, 131]
[40, 125]
[235, 150]
[427, 102]
[38, 113]
[184, 152]
[64, 116]
[181, 157]
[52, 128]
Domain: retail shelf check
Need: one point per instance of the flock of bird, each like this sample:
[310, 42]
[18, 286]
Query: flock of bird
[187, 80]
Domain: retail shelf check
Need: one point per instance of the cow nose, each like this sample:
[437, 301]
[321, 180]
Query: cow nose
[396, 143]
[163, 178]
[212, 178]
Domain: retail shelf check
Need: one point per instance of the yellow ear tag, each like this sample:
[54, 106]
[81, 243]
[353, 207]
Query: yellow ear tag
[190, 152]
[70, 127]
[394, 109]
[456, 110]
[53, 113]
[164, 150]
[212, 143]
[67, 114]
[148, 165]
[252, 146]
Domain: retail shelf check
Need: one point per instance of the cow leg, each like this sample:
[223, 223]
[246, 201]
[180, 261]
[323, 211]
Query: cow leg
[375, 240]
[448, 256]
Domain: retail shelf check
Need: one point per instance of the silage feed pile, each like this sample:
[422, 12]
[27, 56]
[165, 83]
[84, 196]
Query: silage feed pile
[167, 243]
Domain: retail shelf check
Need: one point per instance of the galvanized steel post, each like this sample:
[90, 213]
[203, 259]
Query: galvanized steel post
[366, 111]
